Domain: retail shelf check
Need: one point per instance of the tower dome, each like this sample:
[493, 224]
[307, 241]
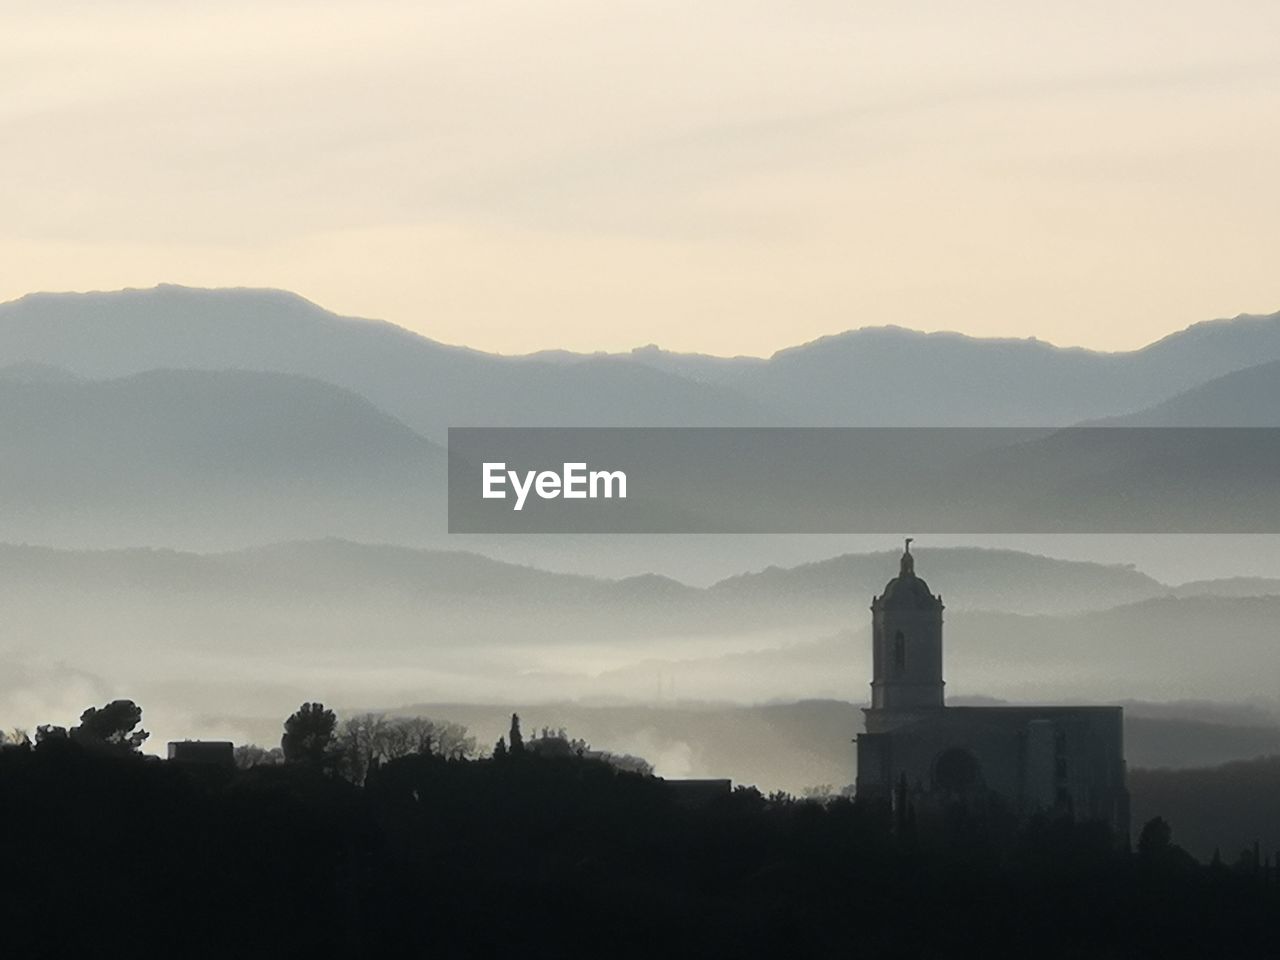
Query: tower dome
[906, 589]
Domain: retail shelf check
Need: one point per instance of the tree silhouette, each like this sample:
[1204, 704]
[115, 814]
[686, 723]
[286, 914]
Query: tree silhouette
[366, 741]
[50, 733]
[308, 735]
[515, 737]
[113, 725]
[18, 737]
[1156, 838]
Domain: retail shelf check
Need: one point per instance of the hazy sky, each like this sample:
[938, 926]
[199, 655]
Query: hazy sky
[729, 176]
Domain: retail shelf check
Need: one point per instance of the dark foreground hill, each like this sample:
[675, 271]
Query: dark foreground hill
[1223, 809]
[806, 747]
[527, 856]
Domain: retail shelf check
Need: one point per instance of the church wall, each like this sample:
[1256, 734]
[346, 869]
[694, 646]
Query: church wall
[1067, 759]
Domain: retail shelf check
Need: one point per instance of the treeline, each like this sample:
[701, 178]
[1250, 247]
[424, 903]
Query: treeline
[315, 737]
[1225, 811]
[537, 852]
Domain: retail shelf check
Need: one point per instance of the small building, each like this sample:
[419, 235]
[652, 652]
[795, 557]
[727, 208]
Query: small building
[921, 755]
[209, 753]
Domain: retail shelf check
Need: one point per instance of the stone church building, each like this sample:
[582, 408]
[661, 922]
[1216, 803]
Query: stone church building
[917, 752]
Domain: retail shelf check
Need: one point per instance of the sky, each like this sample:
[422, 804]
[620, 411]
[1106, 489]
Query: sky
[724, 176]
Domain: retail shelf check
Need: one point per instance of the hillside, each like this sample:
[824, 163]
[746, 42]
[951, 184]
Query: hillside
[1245, 398]
[428, 385]
[975, 579]
[789, 746]
[873, 376]
[206, 456]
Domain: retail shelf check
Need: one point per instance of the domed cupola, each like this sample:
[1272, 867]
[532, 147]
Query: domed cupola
[906, 589]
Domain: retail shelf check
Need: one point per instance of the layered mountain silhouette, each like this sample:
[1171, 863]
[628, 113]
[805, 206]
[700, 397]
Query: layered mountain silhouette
[216, 418]
[209, 420]
[179, 455]
[1244, 398]
[884, 376]
[458, 599]
[427, 385]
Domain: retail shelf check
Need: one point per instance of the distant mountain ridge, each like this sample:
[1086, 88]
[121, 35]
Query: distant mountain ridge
[833, 593]
[212, 419]
[157, 457]
[877, 376]
[1243, 398]
[427, 385]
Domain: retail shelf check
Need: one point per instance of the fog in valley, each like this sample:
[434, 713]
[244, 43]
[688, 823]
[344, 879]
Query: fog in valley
[221, 504]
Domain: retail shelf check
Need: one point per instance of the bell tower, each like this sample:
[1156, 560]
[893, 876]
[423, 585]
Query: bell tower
[906, 644]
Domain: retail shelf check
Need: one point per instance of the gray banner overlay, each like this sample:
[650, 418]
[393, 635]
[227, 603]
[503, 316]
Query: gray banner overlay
[865, 480]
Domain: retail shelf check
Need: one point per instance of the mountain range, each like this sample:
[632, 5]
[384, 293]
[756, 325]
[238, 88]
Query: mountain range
[1017, 622]
[176, 456]
[877, 376]
[277, 471]
[211, 419]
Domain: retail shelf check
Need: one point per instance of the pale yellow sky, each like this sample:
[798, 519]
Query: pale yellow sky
[729, 176]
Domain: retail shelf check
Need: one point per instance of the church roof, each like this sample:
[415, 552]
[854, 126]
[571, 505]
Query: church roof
[906, 588]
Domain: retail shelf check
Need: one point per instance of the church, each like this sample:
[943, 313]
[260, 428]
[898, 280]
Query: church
[920, 754]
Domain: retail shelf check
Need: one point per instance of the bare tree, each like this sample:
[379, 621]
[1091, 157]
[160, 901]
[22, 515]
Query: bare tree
[365, 741]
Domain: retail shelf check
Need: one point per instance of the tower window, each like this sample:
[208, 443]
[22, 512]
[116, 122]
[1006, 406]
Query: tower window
[899, 652]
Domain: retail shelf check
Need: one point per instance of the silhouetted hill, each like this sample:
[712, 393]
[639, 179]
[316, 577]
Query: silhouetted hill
[566, 856]
[1224, 808]
[803, 744]
[892, 376]
[426, 384]
[1218, 648]
[874, 376]
[1098, 480]
[84, 461]
[1245, 398]
[975, 579]
[775, 746]
[206, 455]
[1229, 587]
[369, 624]
[466, 597]
[1178, 742]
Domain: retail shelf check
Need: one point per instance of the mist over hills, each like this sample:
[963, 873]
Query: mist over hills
[790, 746]
[823, 595]
[878, 376]
[212, 420]
[1165, 648]
[452, 624]
[975, 579]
